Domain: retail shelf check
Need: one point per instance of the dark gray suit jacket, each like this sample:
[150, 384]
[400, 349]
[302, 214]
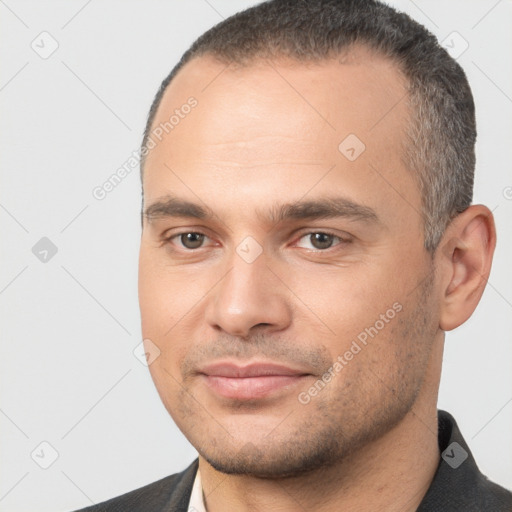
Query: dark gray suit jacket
[455, 487]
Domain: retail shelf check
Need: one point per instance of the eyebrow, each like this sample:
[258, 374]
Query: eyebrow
[320, 208]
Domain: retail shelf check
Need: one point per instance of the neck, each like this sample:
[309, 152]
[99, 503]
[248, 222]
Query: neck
[392, 473]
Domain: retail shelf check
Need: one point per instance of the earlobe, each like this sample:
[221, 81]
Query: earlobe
[465, 257]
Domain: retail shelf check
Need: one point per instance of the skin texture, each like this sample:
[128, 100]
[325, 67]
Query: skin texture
[262, 136]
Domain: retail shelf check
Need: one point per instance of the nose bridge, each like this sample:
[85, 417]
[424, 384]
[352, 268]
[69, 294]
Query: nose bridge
[248, 294]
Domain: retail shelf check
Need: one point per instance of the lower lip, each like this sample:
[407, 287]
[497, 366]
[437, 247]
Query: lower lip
[250, 388]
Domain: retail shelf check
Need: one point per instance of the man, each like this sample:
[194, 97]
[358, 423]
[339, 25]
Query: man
[308, 237]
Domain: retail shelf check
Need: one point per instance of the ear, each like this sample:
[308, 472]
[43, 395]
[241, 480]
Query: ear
[464, 260]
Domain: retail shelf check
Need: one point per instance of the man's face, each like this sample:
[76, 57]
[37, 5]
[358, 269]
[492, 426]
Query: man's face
[255, 306]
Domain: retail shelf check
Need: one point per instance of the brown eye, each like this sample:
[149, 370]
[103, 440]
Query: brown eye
[191, 240]
[321, 240]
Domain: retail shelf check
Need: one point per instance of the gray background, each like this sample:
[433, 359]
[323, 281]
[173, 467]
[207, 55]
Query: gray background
[68, 372]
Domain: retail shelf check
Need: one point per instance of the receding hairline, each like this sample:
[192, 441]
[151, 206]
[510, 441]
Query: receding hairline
[357, 52]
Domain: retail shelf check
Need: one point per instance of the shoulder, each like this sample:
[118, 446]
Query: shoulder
[458, 483]
[169, 493]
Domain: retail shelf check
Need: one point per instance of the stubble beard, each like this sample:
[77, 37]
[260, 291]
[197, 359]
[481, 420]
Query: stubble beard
[331, 428]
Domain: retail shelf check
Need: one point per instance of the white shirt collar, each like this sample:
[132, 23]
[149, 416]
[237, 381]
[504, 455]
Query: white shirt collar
[196, 503]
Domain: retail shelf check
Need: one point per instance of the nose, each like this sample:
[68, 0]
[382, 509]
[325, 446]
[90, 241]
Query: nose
[250, 295]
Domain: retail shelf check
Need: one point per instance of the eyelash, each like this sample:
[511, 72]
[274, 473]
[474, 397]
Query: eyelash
[342, 241]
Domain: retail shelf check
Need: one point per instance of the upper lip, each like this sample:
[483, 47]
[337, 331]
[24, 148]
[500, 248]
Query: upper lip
[233, 370]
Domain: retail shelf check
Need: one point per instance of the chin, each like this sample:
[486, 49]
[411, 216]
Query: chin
[279, 460]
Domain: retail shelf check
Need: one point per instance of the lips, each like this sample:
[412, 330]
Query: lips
[249, 382]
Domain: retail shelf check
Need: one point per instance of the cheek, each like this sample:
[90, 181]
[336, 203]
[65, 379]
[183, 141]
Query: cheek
[154, 309]
[170, 309]
[159, 291]
[360, 312]
[345, 299]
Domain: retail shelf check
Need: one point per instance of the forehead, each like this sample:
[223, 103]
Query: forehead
[356, 88]
[282, 124]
